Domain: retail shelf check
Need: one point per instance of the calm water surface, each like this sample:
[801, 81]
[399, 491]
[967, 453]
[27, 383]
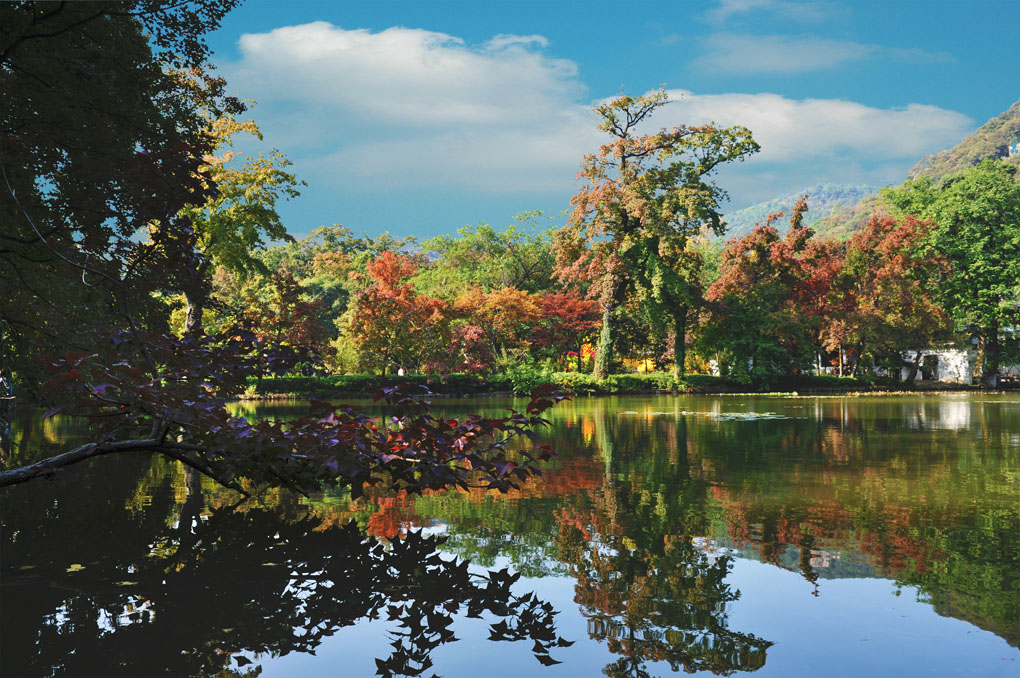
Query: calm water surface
[832, 536]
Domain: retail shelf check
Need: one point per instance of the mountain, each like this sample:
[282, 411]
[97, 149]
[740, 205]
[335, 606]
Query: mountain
[992, 140]
[841, 222]
[839, 218]
[823, 199]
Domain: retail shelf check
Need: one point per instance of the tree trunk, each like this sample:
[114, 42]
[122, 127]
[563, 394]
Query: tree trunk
[195, 305]
[196, 296]
[990, 358]
[679, 342]
[604, 352]
[914, 366]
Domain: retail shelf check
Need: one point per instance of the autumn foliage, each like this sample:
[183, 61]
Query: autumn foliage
[391, 324]
[770, 297]
[568, 321]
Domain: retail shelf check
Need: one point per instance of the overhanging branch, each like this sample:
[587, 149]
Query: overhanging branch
[158, 445]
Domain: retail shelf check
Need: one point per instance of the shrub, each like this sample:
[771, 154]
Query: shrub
[525, 377]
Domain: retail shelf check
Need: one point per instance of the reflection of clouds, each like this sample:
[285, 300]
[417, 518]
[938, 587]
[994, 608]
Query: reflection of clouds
[945, 414]
[819, 558]
[710, 547]
[822, 558]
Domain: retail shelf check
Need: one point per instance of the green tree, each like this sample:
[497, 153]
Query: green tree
[232, 225]
[646, 196]
[101, 134]
[481, 256]
[977, 229]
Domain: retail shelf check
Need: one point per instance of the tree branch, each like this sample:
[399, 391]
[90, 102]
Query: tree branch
[53, 464]
[48, 467]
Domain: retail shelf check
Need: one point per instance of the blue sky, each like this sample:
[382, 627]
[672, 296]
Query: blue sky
[420, 117]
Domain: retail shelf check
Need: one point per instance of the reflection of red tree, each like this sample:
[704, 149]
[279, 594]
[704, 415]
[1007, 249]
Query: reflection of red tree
[663, 601]
[890, 539]
[393, 517]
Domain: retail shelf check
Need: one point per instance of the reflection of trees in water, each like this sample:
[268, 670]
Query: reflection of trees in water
[668, 605]
[938, 512]
[861, 487]
[934, 509]
[196, 597]
[647, 591]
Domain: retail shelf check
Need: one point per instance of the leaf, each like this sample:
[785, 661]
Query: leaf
[546, 660]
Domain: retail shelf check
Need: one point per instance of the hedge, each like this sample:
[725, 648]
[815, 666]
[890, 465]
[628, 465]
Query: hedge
[521, 381]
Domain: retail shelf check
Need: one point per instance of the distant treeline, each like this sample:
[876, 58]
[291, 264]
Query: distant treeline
[489, 303]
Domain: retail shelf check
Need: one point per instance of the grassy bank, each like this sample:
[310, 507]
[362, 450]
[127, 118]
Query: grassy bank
[522, 381]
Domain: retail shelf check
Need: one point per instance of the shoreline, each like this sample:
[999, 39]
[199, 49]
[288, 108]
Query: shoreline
[852, 392]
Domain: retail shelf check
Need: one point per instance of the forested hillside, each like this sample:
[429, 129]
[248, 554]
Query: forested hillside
[990, 141]
[823, 199]
[841, 222]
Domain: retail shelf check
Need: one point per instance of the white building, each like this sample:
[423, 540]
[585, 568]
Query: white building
[950, 365]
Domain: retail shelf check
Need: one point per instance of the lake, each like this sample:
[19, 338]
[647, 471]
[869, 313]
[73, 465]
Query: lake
[780, 536]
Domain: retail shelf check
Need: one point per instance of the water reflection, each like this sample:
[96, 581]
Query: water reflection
[924, 491]
[649, 592]
[643, 514]
[219, 589]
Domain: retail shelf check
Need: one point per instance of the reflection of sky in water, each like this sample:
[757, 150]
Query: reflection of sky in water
[805, 495]
[854, 628]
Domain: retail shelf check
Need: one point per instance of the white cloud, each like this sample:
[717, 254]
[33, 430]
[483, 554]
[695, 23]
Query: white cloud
[736, 53]
[366, 114]
[506, 39]
[806, 12]
[410, 107]
[406, 76]
[807, 141]
[793, 130]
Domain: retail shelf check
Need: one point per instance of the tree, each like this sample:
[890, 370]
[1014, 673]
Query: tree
[239, 214]
[518, 257]
[504, 316]
[567, 322]
[977, 229]
[767, 304]
[882, 301]
[667, 283]
[391, 324]
[289, 318]
[101, 135]
[331, 264]
[645, 197]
